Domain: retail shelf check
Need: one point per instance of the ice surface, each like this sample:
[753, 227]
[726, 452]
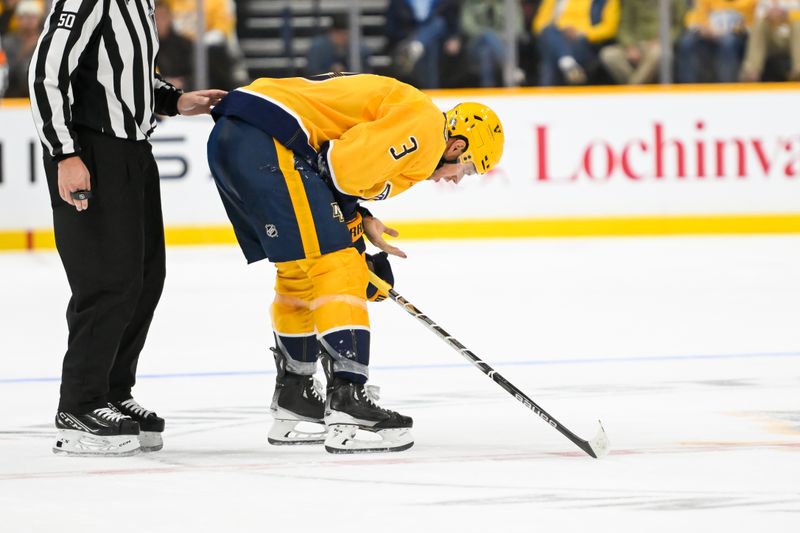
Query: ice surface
[687, 349]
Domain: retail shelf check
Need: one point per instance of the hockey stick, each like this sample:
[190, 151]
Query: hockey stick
[597, 447]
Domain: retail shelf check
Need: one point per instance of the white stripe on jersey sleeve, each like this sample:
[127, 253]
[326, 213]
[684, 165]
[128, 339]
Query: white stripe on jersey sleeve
[52, 67]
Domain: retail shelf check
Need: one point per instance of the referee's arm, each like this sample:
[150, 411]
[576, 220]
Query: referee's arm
[66, 34]
[170, 101]
[166, 96]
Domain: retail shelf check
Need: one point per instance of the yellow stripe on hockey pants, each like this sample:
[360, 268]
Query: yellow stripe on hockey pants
[302, 209]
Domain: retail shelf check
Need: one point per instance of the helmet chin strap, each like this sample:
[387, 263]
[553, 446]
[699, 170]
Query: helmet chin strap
[443, 162]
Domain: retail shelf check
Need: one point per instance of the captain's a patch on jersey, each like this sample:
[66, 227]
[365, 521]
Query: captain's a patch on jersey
[66, 20]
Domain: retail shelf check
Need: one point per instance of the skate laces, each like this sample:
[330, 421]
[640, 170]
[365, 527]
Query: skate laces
[372, 393]
[110, 414]
[137, 409]
[316, 389]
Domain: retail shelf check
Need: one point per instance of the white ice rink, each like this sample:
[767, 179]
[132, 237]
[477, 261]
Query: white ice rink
[688, 350]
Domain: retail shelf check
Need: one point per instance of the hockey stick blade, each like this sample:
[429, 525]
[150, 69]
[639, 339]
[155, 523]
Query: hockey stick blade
[600, 443]
[598, 447]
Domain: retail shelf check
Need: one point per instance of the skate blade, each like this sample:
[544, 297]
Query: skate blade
[81, 444]
[150, 441]
[286, 433]
[344, 439]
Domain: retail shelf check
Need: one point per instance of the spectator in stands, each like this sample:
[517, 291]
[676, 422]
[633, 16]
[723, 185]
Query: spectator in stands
[7, 8]
[220, 19]
[175, 51]
[483, 23]
[8, 18]
[418, 31]
[330, 52]
[776, 30]
[528, 47]
[569, 34]
[634, 59]
[715, 28]
[20, 44]
[225, 59]
[3, 69]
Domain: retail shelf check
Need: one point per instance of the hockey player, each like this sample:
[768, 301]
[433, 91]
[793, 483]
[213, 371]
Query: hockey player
[293, 159]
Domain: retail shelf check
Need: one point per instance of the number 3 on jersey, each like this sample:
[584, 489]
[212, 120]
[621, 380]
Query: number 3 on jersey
[404, 150]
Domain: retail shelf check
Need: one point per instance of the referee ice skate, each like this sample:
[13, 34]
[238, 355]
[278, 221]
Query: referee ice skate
[293, 159]
[94, 96]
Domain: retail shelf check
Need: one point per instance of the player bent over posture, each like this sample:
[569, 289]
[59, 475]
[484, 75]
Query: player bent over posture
[292, 159]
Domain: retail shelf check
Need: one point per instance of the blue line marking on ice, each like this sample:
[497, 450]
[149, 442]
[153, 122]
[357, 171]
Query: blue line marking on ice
[581, 361]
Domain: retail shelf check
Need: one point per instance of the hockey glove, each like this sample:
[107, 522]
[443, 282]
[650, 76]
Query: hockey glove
[356, 227]
[379, 264]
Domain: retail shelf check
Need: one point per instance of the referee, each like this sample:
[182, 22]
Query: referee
[94, 96]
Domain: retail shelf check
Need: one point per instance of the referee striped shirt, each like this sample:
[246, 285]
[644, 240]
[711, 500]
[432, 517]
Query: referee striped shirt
[94, 67]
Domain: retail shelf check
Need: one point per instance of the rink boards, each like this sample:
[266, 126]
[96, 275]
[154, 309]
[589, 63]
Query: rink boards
[588, 161]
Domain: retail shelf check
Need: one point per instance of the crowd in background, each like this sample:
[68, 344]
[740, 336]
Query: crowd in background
[576, 42]
[458, 43]
[21, 22]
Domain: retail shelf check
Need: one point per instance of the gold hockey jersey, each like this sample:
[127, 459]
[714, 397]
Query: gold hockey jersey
[382, 135]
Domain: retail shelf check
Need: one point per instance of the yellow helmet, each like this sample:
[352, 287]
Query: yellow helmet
[480, 127]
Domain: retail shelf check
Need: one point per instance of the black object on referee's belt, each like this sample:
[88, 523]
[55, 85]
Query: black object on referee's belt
[81, 195]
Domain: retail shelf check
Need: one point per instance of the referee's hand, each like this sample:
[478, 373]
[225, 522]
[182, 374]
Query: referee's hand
[73, 176]
[199, 102]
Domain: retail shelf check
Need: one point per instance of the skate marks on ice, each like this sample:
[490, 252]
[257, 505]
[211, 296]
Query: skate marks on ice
[639, 500]
[36, 431]
[268, 460]
[517, 464]
[775, 422]
[233, 438]
[413, 473]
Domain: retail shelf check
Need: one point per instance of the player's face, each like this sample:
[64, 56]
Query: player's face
[453, 172]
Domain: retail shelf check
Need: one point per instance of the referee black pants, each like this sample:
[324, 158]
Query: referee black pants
[114, 258]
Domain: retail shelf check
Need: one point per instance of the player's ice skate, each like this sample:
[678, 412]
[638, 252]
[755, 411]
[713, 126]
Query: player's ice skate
[102, 432]
[358, 425]
[297, 407]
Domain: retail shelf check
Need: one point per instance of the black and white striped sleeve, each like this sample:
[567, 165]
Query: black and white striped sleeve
[166, 96]
[66, 34]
